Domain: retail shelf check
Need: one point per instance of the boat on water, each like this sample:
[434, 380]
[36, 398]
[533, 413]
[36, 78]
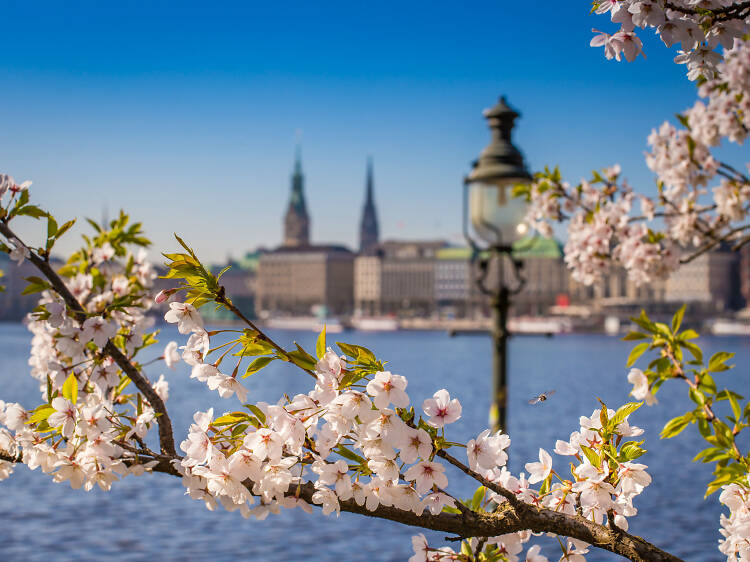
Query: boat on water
[728, 327]
[540, 325]
[612, 325]
[374, 323]
[531, 325]
[304, 324]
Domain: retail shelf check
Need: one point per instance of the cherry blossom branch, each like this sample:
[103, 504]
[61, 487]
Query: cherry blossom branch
[7, 457]
[507, 494]
[713, 243]
[506, 520]
[166, 437]
[734, 11]
[736, 172]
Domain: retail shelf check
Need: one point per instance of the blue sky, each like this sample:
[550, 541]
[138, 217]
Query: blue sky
[185, 113]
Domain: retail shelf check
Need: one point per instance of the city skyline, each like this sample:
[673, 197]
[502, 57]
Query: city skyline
[186, 119]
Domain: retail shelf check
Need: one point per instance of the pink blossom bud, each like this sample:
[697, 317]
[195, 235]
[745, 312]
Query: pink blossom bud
[163, 296]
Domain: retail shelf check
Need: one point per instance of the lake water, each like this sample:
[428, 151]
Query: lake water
[150, 517]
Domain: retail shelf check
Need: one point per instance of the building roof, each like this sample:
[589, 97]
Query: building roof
[311, 249]
[537, 247]
[249, 262]
[529, 247]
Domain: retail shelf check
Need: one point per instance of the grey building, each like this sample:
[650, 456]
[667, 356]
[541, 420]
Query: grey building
[398, 278]
[710, 282]
[293, 280]
[543, 269]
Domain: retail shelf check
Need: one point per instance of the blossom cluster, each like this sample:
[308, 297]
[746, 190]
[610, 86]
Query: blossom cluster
[87, 427]
[736, 528]
[699, 27]
[315, 434]
[599, 483]
[700, 200]
[601, 231]
[683, 161]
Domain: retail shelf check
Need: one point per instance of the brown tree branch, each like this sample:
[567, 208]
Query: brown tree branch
[222, 299]
[166, 438]
[713, 243]
[738, 10]
[507, 519]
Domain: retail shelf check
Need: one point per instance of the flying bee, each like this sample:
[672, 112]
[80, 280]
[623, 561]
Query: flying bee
[541, 397]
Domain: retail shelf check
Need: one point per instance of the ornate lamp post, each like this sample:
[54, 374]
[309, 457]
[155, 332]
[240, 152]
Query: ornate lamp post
[493, 221]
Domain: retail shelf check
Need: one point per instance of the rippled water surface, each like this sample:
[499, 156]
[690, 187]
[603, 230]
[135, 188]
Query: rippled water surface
[150, 517]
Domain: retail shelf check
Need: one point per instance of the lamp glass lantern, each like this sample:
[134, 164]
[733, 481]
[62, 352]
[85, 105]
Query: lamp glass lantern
[495, 215]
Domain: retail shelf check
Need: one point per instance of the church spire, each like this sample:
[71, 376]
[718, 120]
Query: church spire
[297, 221]
[368, 229]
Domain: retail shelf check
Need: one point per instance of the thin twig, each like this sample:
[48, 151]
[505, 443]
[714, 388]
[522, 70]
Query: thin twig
[222, 299]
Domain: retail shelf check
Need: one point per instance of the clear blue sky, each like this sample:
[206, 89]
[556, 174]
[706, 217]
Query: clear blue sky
[185, 113]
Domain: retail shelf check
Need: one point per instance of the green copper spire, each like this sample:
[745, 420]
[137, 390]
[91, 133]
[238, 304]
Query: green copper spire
[368, 226]
[297, 221]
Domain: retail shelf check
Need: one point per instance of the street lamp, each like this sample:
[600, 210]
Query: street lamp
[496, 218]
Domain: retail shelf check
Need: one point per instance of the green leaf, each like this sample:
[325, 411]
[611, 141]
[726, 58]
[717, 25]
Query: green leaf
[64, 228]
[94, 225]
[302, 358]
[707, 383]
[674, 426]
[725, 394]
[696, 351]
[351, 455]
[688, 335]
[257, 411]
[709, 455]
[254, 348]
[637, 351]
[723, 433]
[726, 475]
[41, 413]
[644, 322]
[231, 418]
[32, 288]
[31, 211]
[677, 319]
[735, 407]
[631, 450]
[350, 378]
[623, 412]
[477, 498]
[320, 345]
[544, 488]
[717, 362]
[361, 354]
[635, 336]
[257, 365]
[591, 455]
[51, 226]
[70, 388]
[603, 414]
[704, 428]
[697, 396]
